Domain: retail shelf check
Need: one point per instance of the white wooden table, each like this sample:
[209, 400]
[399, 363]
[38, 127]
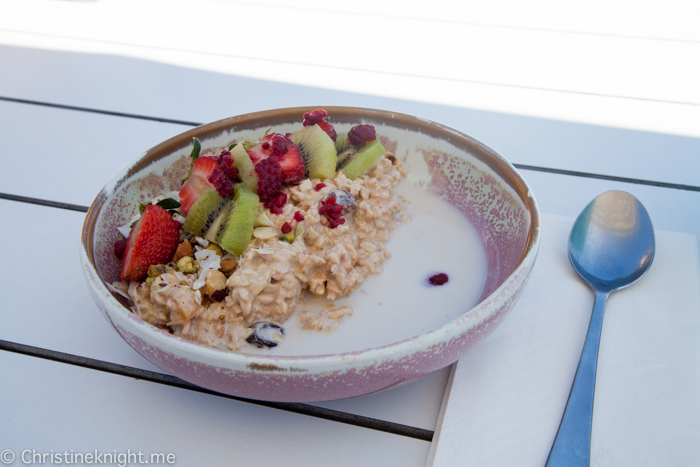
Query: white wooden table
[582, 97]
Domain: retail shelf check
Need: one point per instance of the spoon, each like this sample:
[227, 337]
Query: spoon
[610, 247]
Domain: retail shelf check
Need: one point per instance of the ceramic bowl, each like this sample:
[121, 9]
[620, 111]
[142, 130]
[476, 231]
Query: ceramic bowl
[480, 183]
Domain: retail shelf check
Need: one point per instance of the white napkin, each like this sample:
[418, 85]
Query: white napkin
[507, 395]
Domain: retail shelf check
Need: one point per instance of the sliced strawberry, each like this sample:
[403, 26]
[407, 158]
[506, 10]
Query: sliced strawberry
[197, 182]
[286, 153]
[153, 240]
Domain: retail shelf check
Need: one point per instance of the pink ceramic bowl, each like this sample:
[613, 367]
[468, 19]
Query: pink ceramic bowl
[484, 187]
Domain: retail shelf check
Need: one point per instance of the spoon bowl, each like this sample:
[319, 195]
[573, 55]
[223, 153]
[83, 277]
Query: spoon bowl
[611, 246]
[612, 242]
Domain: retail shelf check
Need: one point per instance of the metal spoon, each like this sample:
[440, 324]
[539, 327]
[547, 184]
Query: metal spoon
[611, 246]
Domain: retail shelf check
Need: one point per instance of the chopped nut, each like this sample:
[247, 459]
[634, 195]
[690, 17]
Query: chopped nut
[216, 249]
[228, 265]
[265, 233]
[263, 221]
[215, 281]
[183, 249]
[156, 270]
[186, 265]
[391, 157]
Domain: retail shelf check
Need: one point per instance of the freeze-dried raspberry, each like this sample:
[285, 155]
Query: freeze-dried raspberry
[226, 165]
[360, 134]
[223, 185]
[119, 248]
[332, 211]
[286, 228]
[318, 117]
[298, 216]
[439, 279]
[319, 186]
[269, 179]
[314, 117]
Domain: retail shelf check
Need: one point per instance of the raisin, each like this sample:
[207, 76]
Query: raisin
[265, 334]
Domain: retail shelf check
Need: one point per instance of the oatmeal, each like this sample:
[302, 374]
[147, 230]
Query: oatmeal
[231, 286]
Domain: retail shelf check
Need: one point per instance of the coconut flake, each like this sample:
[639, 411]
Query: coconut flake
[208, 259]
[202, 241]
[120, 287]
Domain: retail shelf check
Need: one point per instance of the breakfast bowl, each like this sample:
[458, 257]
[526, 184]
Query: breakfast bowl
[405, 326]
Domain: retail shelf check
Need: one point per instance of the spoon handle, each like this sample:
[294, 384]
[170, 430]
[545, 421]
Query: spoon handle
[572, 446]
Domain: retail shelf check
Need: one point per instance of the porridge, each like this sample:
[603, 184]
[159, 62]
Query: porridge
[260, 228]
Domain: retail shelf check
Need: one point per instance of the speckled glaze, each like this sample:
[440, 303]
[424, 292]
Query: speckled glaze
[472, 177]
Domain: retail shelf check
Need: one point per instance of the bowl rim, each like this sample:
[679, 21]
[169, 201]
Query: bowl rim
[501, 166]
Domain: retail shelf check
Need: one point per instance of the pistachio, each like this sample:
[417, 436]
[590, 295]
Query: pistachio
[215, 281]
[156, 270]
[186, 265]
[216, 249]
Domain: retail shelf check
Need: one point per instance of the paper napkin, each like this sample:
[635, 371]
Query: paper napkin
[506, 397]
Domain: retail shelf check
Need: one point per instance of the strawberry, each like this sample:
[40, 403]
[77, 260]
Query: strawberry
[197, 181]
[286, 153]
[152, 240]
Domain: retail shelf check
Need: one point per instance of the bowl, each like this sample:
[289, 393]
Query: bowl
[485, 188]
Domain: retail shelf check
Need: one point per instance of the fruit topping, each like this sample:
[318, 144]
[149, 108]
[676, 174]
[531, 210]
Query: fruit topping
[438, 279]
[269, 175]
[238, 230]
[318, 117]
[332, 211]
[343, 198]
[298, 216]
[245, 167]
[318, 151]
[354, 161]
[226, 165]
[152, 241]
[286, 228]
[119, 247]
[197, 182]
[319, 186]
[265, 334]
[286, 153]
[360, 134]
[223, 184]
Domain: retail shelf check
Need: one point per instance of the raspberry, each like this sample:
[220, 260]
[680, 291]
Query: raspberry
[298, 216]
[223, 185]
[314, 117]
[226, 165]
[361, 134]
[286, 228]
[317, 117]
[438, 279]
[319, 186]
[269, 179]
[279, 146]
[332, 211]
[270, 184]
[119, 248]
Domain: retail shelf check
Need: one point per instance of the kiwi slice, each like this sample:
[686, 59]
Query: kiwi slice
[246, 169]
[205, 212]
[341, 142]
[317, 150]
[236, 234]
[353, 161]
